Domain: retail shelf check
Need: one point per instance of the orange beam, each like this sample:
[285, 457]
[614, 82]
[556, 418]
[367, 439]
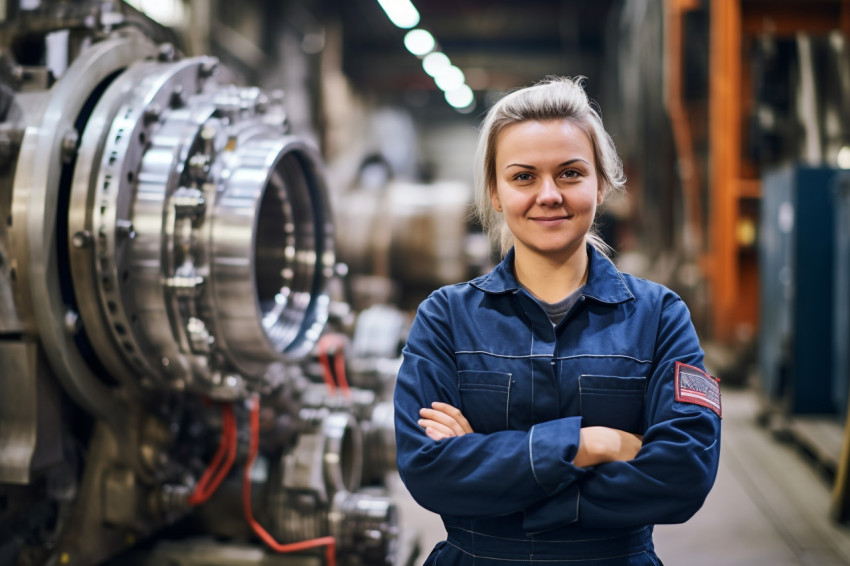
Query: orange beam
[724, 159]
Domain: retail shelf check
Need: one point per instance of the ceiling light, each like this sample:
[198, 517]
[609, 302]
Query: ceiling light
[449, 78]
[400, 12]
[844, 157]
[419, 42]
[461, 97]
[433, 62]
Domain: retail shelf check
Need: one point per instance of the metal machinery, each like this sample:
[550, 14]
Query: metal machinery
[170, 393]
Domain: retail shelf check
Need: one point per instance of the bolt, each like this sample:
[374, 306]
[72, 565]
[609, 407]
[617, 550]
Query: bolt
[69, 145]
[177, 96]
[81, 239]
[208, 67]
[152, 113]
[73, 324]
[124, 229]
[166, 53]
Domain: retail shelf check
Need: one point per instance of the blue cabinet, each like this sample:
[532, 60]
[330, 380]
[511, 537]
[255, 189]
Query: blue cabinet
[797, 281]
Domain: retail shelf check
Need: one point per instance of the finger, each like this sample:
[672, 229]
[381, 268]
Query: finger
[435, 435]
[436, 426]
[454, 413]
[444, 419]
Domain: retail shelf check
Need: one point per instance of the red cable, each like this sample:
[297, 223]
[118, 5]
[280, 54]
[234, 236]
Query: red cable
[231, 452]
[329, 542]
[327, 374]
[339, 363]
[334, 341]
[215, 472]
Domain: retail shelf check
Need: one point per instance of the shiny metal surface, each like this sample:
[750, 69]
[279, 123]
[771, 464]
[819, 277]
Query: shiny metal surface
[32, 234]
[18, 434]
[200, 234]
[163, 267]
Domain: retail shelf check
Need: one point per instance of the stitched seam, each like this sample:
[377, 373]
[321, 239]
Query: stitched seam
[538, 539]
[576, 356]
[531, 458]
[542, 560]
[472, 352]
[508, 404]
[558, 358]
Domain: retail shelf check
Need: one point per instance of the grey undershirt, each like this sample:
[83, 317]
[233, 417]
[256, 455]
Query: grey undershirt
[557, 311]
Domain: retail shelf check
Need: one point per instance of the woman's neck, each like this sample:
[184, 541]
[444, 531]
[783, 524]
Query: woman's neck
[551, 278]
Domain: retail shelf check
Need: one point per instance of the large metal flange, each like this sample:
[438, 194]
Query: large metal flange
[37, 192]
[271, 302]
[117, 207]
[201, 233]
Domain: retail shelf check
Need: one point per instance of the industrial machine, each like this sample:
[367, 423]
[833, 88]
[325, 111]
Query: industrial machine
[172, 391]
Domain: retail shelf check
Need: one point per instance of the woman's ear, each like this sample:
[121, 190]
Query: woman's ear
[494, 200]
[600, 195]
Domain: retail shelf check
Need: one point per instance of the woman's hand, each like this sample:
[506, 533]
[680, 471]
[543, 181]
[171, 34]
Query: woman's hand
[443, 421]
[600, 444]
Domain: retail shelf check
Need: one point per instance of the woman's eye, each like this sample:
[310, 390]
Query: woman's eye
[522, 177]
[571, 174]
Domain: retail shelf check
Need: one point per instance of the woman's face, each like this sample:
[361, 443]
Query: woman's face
[546, 186]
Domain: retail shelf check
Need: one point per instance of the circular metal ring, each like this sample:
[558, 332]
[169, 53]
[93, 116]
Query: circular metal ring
[35, 198]
[271, 302]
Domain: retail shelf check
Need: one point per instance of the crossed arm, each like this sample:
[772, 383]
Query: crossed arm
[597, 444]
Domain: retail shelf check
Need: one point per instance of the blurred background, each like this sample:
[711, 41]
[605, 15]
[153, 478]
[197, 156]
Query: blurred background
[732, 118]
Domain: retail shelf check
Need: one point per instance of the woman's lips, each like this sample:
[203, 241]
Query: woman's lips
[550, 220]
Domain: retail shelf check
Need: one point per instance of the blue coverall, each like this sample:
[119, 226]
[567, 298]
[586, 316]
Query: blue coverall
[508, 493]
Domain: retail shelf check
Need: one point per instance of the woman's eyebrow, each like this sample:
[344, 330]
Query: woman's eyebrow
[571, 161]
[565, 163]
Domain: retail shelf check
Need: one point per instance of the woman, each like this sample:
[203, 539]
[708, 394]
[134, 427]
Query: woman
[554, 409]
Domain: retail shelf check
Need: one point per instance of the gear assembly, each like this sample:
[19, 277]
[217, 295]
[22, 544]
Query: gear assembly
[172, 390]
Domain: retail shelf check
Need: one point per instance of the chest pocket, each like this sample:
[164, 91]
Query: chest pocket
[485, 396]
[613, 401]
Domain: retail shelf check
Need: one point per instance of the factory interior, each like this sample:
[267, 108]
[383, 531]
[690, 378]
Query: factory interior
[219, 219]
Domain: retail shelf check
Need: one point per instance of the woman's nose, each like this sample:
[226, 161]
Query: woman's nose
[549, 195]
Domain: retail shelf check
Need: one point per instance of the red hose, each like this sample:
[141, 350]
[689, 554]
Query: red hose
[216, 472]
[336, 377]
[329, 542]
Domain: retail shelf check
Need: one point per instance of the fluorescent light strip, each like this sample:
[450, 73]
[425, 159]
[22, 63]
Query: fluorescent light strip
[419, 42]
[449, 78]
[402, 13]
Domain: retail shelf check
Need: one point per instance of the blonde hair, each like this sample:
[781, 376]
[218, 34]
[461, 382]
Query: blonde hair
[555, 98]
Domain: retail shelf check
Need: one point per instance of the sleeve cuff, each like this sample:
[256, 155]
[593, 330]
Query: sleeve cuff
[552, 446]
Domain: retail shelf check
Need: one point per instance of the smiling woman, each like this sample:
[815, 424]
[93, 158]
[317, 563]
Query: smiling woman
[547, 189]
[553, 410]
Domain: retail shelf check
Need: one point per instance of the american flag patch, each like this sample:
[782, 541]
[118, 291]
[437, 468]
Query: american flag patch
[695, 386]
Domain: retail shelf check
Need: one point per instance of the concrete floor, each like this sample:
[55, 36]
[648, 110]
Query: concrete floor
[769, 506]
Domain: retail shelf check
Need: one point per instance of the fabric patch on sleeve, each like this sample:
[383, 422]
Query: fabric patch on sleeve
[695, 386]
